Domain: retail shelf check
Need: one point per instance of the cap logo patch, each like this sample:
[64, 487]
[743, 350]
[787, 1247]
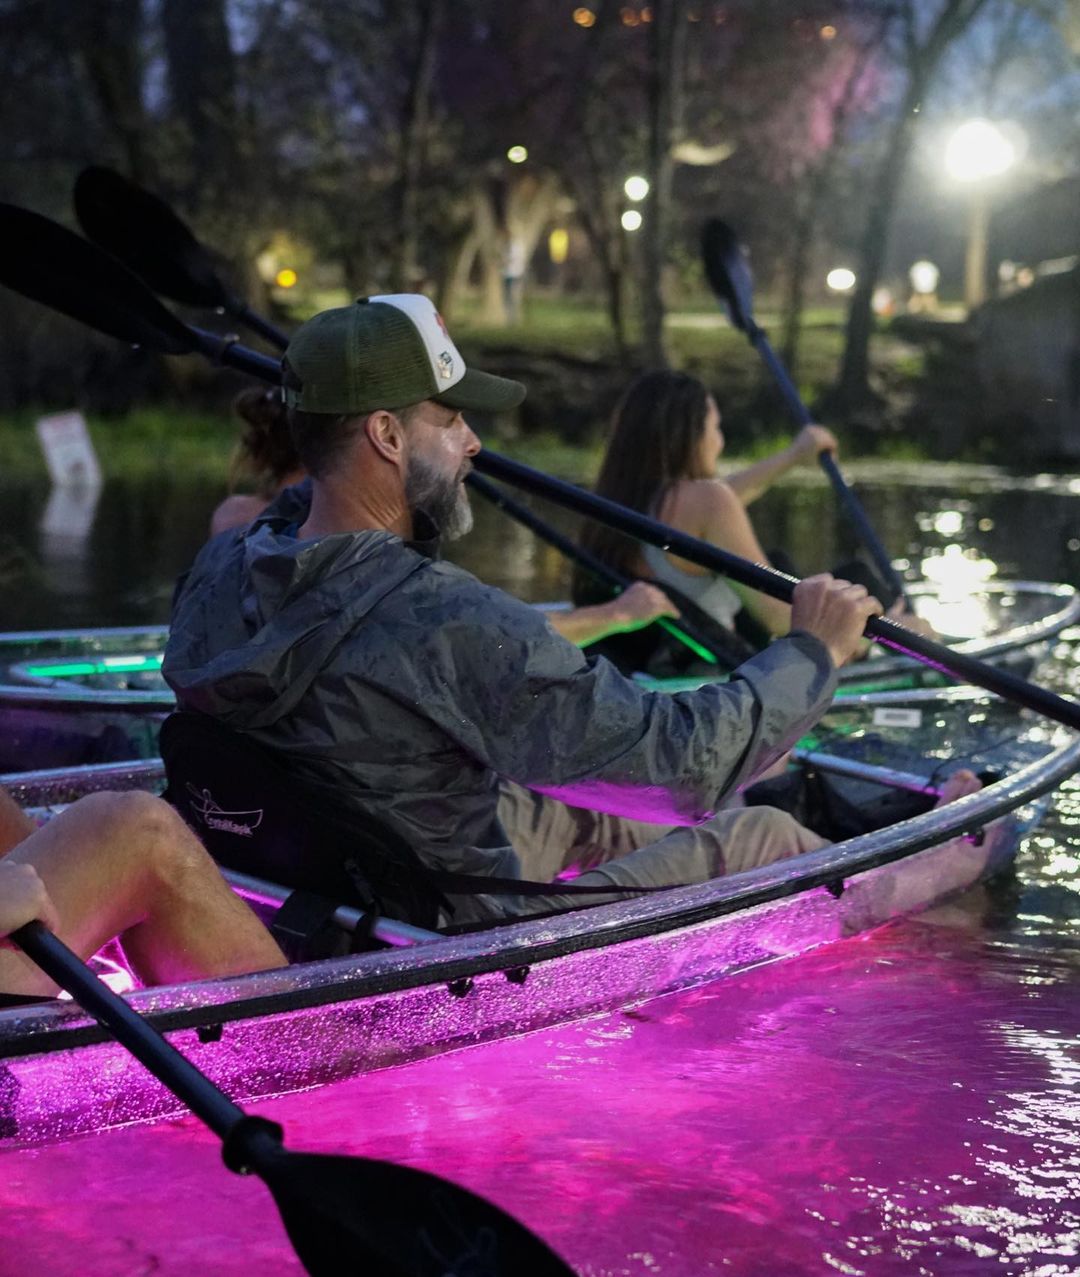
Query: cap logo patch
[446, 365]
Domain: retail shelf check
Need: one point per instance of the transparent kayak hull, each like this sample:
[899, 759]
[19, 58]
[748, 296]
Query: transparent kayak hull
[311, 1024]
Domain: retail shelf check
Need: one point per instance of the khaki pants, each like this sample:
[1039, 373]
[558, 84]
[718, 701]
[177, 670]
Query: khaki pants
[550, 836]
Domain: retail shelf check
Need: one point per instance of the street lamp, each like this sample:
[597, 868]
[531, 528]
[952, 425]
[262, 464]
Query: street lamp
[977, 151]
[636, 188]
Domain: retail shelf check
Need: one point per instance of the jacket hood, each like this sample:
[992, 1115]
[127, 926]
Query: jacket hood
[299, 600]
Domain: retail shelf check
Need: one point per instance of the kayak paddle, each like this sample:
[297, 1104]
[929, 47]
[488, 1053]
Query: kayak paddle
[728, 272]
[147, 236]
[47, 262]
[27, 242]
[342, 1214]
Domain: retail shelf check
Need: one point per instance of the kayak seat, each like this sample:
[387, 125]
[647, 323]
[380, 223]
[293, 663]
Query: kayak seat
[256, 817]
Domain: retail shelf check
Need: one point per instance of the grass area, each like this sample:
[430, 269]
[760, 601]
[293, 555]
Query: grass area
[693, 336]
[148, 441]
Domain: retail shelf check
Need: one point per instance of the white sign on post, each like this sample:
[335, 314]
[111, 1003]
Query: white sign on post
[69, 454]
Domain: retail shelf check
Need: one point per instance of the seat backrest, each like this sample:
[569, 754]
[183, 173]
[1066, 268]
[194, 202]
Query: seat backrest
[254, 816]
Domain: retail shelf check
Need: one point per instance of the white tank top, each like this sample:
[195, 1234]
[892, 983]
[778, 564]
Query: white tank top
[710, 592]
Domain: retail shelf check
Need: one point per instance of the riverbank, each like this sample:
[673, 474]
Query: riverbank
[566, 356]
[149, 442]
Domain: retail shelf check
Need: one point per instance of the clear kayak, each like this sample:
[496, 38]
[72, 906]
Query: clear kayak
[314, 1023]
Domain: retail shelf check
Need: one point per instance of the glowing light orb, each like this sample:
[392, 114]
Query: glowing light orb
[840, 279]
[517, 154]
[978, 149]
[631, 220]
[636, 188]
[924, 276]
[286, 278]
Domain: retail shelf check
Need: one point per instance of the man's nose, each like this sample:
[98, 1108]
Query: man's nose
[472, 444]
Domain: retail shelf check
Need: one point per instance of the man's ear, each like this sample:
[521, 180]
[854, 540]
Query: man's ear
[386, 435]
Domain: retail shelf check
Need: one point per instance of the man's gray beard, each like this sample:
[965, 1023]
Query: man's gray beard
[443, 500]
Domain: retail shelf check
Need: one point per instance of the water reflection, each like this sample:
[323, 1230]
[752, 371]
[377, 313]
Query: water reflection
[144, 534]
[64, 537]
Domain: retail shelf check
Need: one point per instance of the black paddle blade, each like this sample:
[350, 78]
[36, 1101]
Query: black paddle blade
[52, 265]
[144, 232]
[728, 271]
[347, 1215]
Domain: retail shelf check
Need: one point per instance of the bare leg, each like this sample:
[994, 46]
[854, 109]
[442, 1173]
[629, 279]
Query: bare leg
[126, 865]
[14, 826]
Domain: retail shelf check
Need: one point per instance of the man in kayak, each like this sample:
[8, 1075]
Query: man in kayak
[266, 452]
[402, 687]
[122, 865]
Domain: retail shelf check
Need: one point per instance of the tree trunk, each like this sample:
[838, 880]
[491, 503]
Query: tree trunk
[795, 285]
[202, 85]
[110, 51]
[598, 213]
[455, 274]
[853, 387]
[666, 86]
[808, 210]
[414, 135]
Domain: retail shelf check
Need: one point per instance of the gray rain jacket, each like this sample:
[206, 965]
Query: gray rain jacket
[407, 688]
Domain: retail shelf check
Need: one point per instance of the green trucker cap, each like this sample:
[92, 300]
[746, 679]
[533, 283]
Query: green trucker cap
[387, 352]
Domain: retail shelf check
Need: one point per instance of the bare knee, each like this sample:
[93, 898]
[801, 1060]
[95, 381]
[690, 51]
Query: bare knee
[150, 835]
[175, 855]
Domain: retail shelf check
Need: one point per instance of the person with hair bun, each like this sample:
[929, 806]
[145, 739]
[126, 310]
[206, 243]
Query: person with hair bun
[264, 455]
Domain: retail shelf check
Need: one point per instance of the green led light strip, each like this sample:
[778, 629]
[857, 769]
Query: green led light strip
[109, 665]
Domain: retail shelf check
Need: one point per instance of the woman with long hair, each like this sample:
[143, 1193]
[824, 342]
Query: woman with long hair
[662, 452]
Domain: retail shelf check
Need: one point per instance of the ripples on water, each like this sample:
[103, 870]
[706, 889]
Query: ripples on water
[906, 1103]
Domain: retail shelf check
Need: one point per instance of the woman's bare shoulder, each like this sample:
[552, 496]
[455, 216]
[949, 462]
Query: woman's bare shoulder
[708, 496]
[235, 510]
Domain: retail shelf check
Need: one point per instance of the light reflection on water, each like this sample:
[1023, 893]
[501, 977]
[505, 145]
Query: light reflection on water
[905, 1103]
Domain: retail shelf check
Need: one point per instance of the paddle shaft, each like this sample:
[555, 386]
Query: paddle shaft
[130, 1029]
[850, 502]
[777, 584]
[227, 350]
[250, 319]
[853, 769]
[684, 631]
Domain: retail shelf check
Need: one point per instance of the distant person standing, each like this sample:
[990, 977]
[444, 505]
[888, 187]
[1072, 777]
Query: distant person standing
[515, 263]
